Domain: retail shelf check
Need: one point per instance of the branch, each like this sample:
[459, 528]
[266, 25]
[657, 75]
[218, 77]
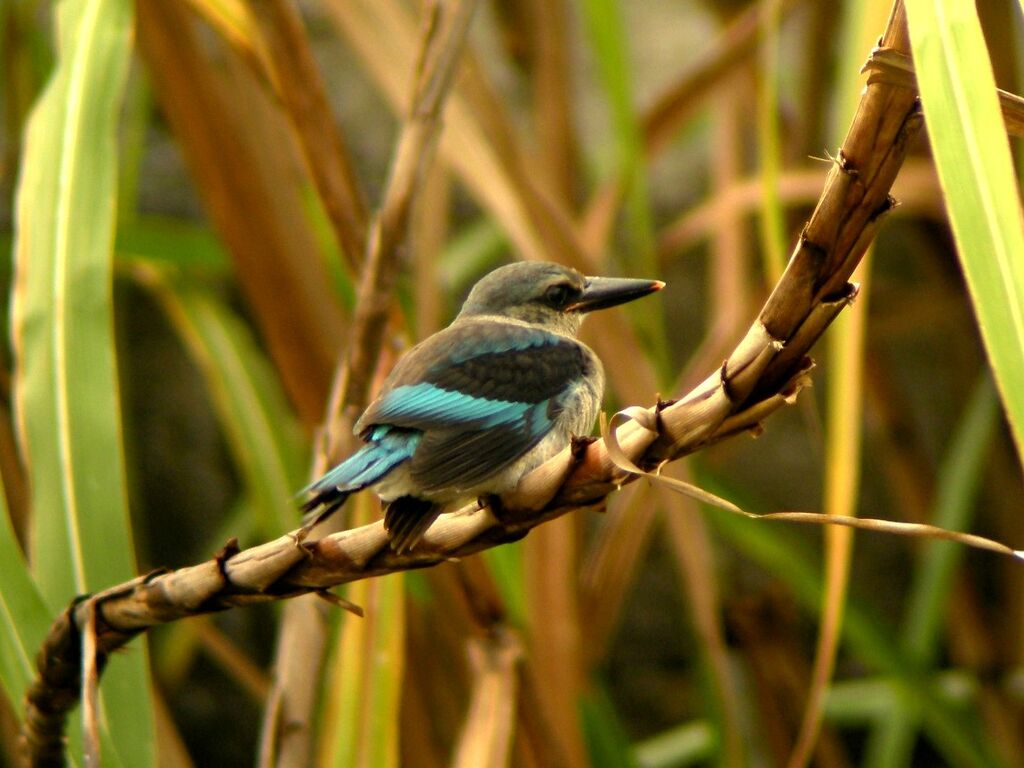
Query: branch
[766, 371]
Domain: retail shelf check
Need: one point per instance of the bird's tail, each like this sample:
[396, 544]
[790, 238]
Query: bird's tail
[318, 508]
[386, 450]
[406, 519]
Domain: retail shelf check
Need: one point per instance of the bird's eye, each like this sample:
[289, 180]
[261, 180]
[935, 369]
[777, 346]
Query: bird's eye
[557, 296]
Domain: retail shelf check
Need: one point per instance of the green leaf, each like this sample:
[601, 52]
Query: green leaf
[789, 561]
[772, 218]
[606, 30]
[692, 743]
[24, 617]
[959, 481]
[603, 732]
[361, 711]
[265, 440]
[893, 740]
[972, 154]
[65, 378]
[174, 241]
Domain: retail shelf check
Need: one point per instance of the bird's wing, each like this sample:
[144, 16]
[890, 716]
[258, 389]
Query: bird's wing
[482, 396]
[450, 458]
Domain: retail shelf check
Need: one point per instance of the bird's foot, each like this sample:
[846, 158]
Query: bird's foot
[578, 447]
[505, 517]
[496, 505]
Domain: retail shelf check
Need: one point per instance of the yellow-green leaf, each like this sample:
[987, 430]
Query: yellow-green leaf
[972, 154]
[65, 378]
[24, 617]
[264, 437]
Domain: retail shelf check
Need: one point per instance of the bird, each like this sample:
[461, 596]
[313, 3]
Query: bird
[468, 411]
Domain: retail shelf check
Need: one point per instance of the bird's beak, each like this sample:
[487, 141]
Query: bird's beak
[604, 292]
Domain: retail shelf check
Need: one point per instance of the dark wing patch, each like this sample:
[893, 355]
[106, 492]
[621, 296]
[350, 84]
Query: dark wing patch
[529, 375]
[448, 458]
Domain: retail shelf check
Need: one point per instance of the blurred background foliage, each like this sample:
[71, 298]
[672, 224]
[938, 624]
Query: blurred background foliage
[231, 153]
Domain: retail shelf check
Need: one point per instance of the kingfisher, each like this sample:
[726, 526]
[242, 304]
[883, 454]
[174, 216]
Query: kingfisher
[467, 412]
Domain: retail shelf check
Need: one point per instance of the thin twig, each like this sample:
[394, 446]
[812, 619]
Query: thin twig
[302, 640]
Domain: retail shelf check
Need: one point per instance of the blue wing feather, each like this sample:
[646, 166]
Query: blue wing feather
[424, 405]
[466, 458]
[386, 450]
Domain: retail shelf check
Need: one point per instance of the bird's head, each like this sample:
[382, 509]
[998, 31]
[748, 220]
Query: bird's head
[550, 295]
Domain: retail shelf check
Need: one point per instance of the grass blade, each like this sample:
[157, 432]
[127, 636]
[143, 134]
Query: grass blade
[175, 242]
[607, 32]
[787, 559]
[360, 716]
[893, 739]
[841, 495]
[607, 743]
[66, 377]
[692, 743]
[959, 479]
[972, 154]
[246, 169]
[772, 218]
[265, 440]
[24, 617]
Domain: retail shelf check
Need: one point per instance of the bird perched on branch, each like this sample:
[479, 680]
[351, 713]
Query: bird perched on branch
[471, 409]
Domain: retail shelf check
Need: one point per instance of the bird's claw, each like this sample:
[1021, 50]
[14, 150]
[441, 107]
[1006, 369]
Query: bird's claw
[495, 503]
[578, 445]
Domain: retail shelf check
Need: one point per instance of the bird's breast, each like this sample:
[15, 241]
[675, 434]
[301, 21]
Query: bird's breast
[581, 401]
